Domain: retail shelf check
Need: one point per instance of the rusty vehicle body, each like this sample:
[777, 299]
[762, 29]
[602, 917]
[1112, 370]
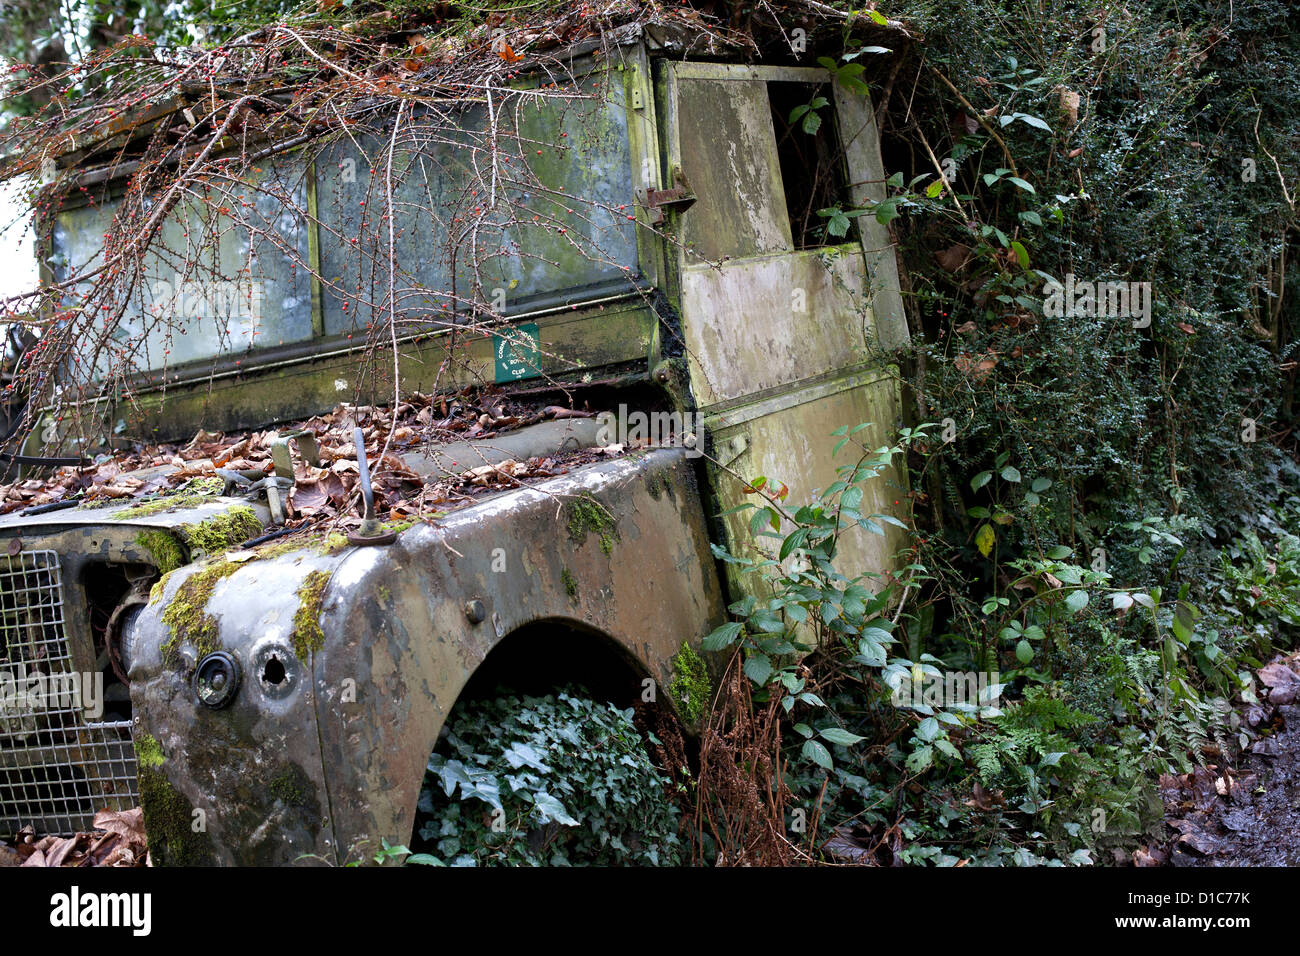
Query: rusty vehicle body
[277, 704]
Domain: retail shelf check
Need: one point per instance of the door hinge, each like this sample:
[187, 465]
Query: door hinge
[677, 198]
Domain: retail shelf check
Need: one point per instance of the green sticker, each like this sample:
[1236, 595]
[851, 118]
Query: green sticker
[518, 353]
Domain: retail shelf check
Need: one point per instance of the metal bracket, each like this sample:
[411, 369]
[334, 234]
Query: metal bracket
[251, 485]
[678, 198]
[307, 448]
[732, 448]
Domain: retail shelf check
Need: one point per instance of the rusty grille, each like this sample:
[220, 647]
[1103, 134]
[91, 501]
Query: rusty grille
[58, 767]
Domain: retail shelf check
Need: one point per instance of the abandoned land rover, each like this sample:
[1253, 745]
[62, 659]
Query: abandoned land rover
[536, 339]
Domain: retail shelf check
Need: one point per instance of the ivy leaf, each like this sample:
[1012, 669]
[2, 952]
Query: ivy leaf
[552, 810]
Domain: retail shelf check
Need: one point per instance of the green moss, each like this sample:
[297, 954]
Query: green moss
[192, 493]
[691, 688]
[186, 616]
[659, 484]
[308, 637]
[334, 543]
[169, 822]
[163, 548]
[589, 516]
[570, 585]
[148, 752]
[224, 531]
[291, 787]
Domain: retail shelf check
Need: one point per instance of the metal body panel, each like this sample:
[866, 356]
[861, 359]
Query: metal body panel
[777, 338]
[333, 762]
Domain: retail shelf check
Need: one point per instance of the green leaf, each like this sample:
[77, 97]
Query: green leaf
[920, 759]
[1184, 623]
[1033, 121]
[928, 729]
[1010, 474]
[1024, 652]
[1022, 254]
[723, 636]
[818, 754]
[794, 540]
[946, 747]
[552, 810]
[1077, 600]
[758, 668]
[837, 735]
[980, 480]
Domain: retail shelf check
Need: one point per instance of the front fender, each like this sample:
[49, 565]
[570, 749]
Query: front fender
[330, 761]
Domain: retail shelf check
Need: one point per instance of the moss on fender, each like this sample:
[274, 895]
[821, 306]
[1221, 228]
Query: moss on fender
[163, 548]
[187, 496]
[308, 636]
[224, 531]
[186, 615]
[169, 819]
[587, 515]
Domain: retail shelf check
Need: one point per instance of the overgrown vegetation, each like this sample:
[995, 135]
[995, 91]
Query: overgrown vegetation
[555, 780]
[1095, 208]
[1104, 503]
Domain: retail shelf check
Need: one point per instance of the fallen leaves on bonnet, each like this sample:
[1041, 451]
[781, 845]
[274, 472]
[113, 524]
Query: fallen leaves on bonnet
[328, 492]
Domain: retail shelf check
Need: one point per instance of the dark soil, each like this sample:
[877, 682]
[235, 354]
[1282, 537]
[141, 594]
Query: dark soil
[1248, 815]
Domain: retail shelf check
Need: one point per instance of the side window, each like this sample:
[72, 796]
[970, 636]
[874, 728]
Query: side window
[728, 150]
[813, 168]
[762, 157]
